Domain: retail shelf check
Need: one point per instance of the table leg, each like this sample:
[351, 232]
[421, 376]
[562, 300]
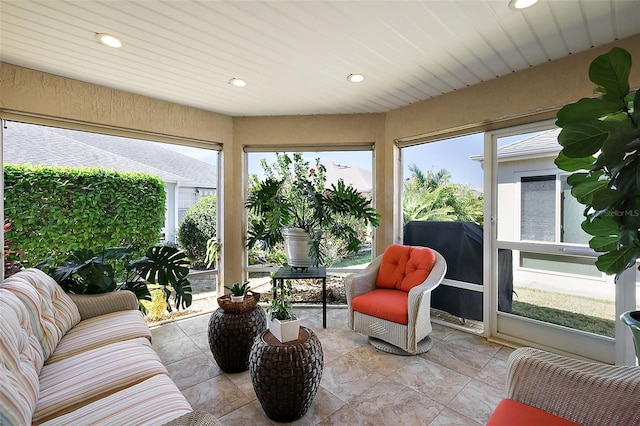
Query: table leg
[324, 302]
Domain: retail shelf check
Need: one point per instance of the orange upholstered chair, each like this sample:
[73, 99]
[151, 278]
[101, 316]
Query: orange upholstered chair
[390, 300]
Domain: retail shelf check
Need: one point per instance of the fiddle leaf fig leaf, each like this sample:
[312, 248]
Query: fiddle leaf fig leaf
[604, 243]
[604, 197]
[635, 115]
[628, 179]
[611, 73]
[586, 109]
[585, 191]
[582, 139]
[603, 225]
[616, 261]
[570, 164]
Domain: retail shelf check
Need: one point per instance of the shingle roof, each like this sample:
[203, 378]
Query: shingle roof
[47, 146]
[543, 143]
[356, 176]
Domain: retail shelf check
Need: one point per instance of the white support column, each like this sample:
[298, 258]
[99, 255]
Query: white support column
[625, 301]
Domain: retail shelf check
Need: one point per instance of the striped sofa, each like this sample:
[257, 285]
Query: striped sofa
[81, 360]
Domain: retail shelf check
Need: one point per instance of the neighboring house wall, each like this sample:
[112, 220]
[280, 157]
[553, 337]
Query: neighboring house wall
[532, 206]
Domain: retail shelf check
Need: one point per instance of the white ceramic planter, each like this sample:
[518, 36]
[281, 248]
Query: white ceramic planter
[237, 299]
[285, 331]
[296, 247]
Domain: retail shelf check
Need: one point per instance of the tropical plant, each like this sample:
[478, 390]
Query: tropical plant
[86, 271]
[601, 146]
[197, 228]
[295, 197]
[280, 307]
[432, 196]
[239, 290]
[213, 250]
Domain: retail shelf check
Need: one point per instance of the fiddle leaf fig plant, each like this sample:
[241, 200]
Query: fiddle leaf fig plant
[600, 141]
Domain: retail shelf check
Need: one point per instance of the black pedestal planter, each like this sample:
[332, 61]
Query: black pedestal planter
[231, 336]
[286, 376]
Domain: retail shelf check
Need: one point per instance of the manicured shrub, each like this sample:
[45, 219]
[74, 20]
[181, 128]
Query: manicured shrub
[197, 227]
[54, 210]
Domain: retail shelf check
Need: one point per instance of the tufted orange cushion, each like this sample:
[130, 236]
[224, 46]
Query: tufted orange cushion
[510, 413]
[391, 272]
[392, 305]
[404, 267]
[418, 268]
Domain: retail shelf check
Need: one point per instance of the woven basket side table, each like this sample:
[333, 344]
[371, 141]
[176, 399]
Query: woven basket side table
[231, 336]
[286, 376]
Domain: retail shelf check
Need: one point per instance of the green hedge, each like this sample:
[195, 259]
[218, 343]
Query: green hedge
[54, 210]
[197, 227]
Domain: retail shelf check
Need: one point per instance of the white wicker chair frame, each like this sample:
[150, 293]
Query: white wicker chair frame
[409, 339]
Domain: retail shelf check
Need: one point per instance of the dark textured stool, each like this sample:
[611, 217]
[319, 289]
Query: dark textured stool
[231, 336]
[286, 376]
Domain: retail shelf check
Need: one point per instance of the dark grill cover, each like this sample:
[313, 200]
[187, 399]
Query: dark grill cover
[460, 243]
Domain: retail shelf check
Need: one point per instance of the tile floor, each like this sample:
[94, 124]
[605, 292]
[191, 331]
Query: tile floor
[458, 382]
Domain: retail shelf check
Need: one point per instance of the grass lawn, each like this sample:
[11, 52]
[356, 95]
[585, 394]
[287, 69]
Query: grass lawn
[361, 258]
[582, 313]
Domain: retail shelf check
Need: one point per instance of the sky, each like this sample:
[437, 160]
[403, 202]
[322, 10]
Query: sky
[454, 155]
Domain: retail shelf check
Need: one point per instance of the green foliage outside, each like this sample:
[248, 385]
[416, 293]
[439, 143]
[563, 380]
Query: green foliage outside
[293, 193]
[54, 210]
[196, 228]
[433, 197]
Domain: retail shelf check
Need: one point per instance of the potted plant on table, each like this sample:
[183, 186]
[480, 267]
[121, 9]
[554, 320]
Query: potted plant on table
[282, 321]
[238, 291]
[294, 207]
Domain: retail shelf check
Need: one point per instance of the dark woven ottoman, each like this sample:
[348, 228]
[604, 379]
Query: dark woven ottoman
[231, 336]
[286, 376]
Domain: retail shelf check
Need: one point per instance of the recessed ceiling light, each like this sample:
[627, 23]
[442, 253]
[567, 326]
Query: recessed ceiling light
[521, 4]
[238, 82]
[355, 78]
[108, 40]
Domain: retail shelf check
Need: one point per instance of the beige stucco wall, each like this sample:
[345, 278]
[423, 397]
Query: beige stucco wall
[528, 95]
[26, 91]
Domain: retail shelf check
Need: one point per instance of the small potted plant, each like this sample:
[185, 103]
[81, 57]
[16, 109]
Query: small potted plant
[282, 322]
[238, 291]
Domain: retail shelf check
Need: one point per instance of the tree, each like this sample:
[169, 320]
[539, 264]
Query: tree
[432, 196]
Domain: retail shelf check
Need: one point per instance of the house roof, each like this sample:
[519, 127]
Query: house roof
[48, 146]
[360, 178]
[543, 144]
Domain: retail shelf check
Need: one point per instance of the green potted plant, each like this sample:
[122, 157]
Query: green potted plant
[297, 207]
[601, 147]
[238, 291]
[282, 321]
[600, 138]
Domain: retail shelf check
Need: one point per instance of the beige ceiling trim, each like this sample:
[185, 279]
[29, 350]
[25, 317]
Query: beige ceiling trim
[358, 146]
[106, 130]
